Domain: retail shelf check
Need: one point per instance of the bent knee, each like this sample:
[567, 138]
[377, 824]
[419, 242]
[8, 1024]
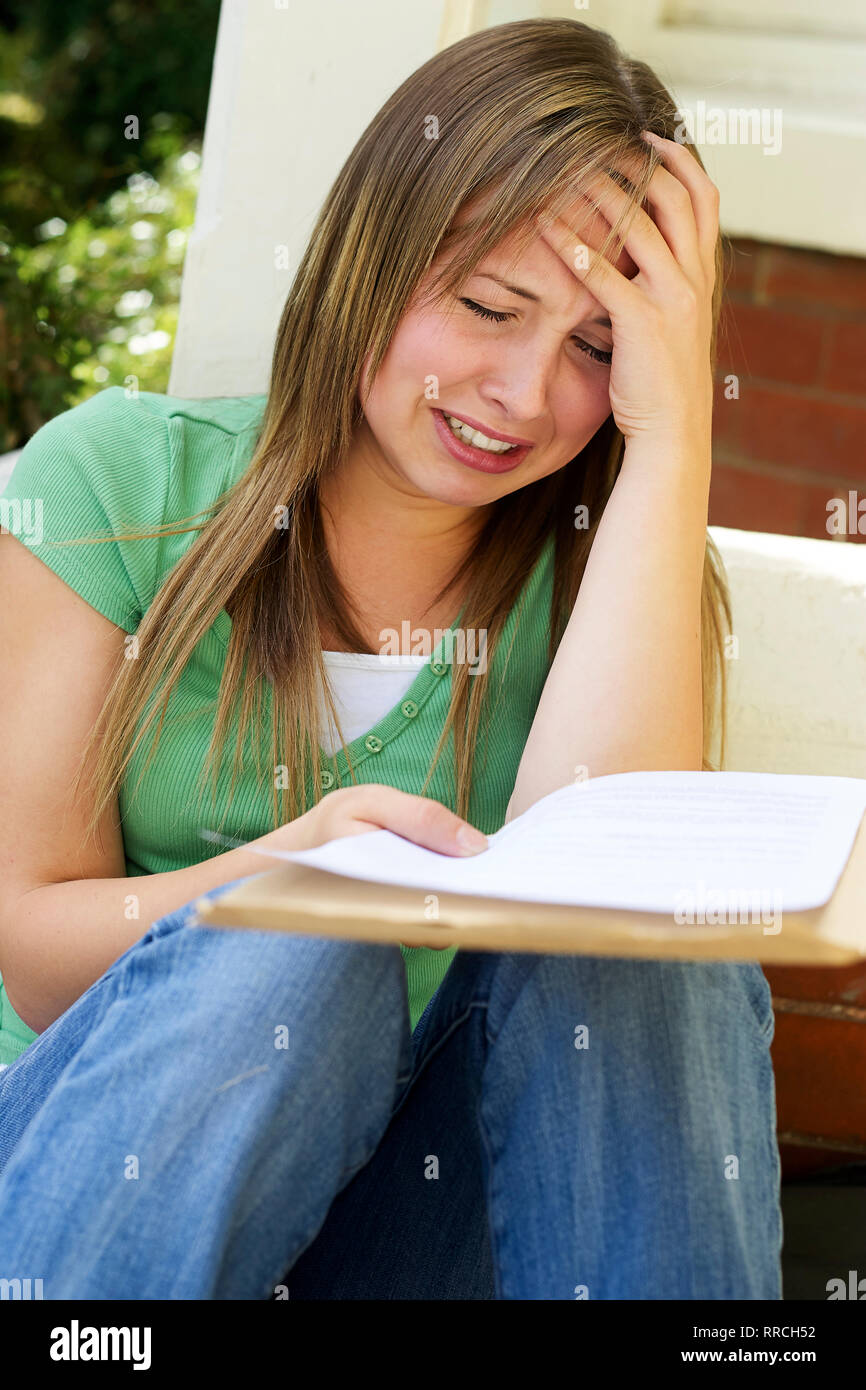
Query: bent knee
[646, 993]
[221, 972]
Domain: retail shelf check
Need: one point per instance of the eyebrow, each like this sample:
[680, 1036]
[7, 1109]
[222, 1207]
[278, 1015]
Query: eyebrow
[601, 321]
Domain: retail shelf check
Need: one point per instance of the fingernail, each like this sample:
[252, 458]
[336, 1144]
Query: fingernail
[470, 840]
[650, 135]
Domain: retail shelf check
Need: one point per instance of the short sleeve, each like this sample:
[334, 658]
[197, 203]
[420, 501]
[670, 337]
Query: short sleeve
[97, 470]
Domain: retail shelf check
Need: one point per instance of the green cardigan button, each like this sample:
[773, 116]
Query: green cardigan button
[439, 667]
[409, 708]
[373, 743]
[328, 779]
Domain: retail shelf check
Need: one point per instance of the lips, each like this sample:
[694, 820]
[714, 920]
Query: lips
[479, 459]
[486, 430]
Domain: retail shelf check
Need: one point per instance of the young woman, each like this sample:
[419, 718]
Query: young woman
[489, 413]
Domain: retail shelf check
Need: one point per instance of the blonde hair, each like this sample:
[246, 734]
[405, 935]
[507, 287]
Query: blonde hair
[526, 113]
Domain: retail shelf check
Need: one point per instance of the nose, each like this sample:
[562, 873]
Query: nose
[517, 386]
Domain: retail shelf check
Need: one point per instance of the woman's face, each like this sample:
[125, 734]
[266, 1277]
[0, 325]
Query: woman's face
[534, 376]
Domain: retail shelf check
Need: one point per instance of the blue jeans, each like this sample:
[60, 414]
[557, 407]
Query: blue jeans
[226, 1113]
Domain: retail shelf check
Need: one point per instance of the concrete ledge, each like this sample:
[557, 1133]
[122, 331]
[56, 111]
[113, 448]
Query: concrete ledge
[796, 685]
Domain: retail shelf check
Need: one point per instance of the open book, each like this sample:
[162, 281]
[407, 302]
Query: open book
[767, 866]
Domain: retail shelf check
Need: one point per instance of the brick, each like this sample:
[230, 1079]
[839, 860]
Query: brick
[843, 984]
[785, 426]
[754, 501]
[743, 258]
[814, 277]
[820, 1071]
[845, 369]
[726, 416]
[757, 340]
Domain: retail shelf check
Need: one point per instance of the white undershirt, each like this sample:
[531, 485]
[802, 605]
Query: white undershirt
[366, 686]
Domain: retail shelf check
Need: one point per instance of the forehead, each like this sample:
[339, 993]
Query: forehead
[583, 217]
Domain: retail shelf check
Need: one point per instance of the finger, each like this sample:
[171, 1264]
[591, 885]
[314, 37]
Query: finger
[594, 230]
[423, 821]
[618, 294]
[663, 250]
[673, 214]
[703, 193]
[594, 226]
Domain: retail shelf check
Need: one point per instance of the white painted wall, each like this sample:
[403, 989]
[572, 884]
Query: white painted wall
[293, 89]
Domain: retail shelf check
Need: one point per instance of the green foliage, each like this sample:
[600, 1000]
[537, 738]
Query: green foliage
[102, 107]
[101, 294]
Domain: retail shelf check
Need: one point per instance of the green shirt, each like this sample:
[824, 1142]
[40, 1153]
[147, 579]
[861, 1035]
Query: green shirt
[117, 462]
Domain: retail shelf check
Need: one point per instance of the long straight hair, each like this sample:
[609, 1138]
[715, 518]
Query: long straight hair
[513, 120]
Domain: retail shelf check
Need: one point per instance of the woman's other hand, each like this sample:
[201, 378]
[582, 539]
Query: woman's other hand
[375, 806]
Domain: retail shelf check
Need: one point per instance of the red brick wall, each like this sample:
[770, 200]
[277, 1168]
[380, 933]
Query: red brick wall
[793, 332]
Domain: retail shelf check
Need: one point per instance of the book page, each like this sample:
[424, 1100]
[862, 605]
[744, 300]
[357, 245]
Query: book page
[642, 841]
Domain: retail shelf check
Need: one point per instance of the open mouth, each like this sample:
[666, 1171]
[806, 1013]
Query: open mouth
[472, 447]
[474, 437]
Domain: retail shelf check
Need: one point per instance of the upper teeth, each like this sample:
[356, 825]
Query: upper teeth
[494, 446]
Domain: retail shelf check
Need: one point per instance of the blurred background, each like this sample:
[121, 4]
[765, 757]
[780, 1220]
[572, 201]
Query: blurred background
[102, 114]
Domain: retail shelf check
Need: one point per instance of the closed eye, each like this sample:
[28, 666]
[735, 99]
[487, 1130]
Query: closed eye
[497, 316]
[479, 309]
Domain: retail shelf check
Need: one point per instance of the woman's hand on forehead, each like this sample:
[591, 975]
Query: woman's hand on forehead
[658, 292]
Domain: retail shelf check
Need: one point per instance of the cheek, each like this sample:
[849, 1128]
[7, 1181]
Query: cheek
[414, 354]
[430, 345]
[601, 393]
[586, 406]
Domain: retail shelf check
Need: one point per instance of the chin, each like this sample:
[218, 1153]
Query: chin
[474, 490]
